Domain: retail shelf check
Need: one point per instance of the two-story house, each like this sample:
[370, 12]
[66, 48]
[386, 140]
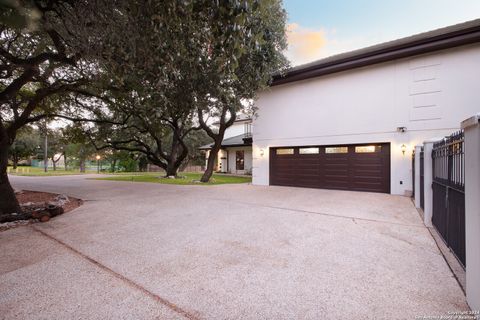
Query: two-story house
[235, 157]
[351, 121]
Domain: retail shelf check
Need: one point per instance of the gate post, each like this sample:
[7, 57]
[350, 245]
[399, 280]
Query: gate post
[427, 182]
[416, 181]
[472, 209]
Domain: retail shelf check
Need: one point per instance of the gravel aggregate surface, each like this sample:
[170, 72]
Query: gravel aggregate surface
[145, 251]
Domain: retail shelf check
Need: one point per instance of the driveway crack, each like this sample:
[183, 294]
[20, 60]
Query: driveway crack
[121, 277]
[355, 219]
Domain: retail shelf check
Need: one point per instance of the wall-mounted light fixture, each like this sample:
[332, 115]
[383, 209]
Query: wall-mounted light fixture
[404, 148]
[401, 129]
[262, 152]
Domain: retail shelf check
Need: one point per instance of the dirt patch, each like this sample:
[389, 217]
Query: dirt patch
[35, 198]
[24, 197]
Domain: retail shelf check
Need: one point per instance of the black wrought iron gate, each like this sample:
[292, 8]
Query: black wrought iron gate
[449, 192]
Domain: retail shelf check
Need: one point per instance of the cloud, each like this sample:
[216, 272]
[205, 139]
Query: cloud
[304, 44]
[307, 44]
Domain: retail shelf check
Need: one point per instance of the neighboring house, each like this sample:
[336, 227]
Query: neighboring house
[352, 120]
[235, 157]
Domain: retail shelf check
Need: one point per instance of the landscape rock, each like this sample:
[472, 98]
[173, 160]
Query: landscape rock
[37, 206]
[60, 200]
[13, 224]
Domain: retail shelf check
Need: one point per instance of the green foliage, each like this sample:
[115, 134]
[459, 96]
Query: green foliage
[78, 147]
[142, 163]
[128, 165]
[147, 72]
[194, 141]
[25, 145]
[120, 160]
[179, 62]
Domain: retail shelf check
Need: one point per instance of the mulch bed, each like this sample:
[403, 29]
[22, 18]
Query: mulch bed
[39, 199]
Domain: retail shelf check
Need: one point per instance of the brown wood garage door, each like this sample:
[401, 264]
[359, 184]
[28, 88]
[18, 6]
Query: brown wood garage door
[359, 167]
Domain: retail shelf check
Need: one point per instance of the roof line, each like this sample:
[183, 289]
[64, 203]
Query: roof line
[444, 38]
[241, 136]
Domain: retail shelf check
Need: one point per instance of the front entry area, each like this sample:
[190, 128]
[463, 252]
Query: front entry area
[357, 167]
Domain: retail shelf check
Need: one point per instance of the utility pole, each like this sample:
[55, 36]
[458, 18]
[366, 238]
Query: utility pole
[45, 150]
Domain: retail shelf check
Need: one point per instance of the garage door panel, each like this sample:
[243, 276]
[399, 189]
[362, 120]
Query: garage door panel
[368, 173]
[336, 167]
[369, 186]
[308, 175]
[366, 162]
[290, 175]
[306, 167]
[312, 183]
[331, 160]
[363, 170]
[373, 171]
[336, 186]
[365, 179]
[286, 162]
[360, 165]
[331, 182]
[336, 172]
[327, 165]
[336, 175]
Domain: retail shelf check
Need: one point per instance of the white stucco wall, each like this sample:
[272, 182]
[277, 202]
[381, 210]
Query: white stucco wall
[429, 94]
[232, 160]
[235, 129]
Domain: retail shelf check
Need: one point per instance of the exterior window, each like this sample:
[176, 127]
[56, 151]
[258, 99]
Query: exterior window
[240, 160]
[336, 150]
[368, 149]
[309, 150]
[285, 151]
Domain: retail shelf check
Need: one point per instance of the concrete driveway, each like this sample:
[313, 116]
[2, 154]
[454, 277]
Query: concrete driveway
[144, 251]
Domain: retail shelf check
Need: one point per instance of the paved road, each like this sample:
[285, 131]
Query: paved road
[145, 251]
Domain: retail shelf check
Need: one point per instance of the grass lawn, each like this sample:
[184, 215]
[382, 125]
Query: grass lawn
[36, 171]
[184, 178]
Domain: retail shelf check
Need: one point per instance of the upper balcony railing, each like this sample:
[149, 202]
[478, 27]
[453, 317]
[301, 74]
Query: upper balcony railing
[248, 130]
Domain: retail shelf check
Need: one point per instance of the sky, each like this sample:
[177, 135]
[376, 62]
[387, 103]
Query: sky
[321, 28]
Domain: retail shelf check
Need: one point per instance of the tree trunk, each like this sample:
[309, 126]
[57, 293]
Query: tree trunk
[217, 137]
[56, 161]
[172, 165]
[8, 200]
[15, 161]
[171, 170]
[65, 160]
[211, 161]
[178, 153]
[113, 165]
[82, 165]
